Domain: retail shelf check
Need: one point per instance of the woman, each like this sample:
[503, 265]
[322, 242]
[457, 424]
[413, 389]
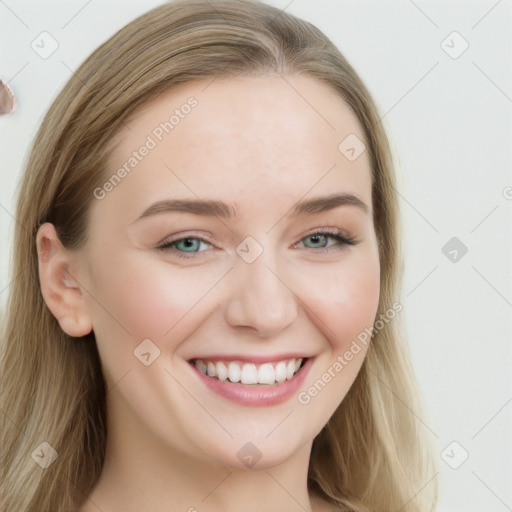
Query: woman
[207, 316]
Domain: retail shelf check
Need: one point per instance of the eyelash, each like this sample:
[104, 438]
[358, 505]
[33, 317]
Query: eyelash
[341, 241]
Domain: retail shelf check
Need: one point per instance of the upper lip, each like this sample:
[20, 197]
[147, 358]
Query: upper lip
[256, 359]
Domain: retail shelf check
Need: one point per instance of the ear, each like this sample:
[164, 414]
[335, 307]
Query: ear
[61, 291]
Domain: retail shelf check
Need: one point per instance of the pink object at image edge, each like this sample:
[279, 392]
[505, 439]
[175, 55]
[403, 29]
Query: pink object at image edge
[7, 100]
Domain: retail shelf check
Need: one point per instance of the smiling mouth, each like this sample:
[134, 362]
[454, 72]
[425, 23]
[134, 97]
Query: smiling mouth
[238, 372]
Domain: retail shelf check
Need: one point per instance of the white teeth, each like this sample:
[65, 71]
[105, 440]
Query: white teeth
[266, 374]
[211, 369]
[234, 372]
[222, 371]
[250, 373]
[290, 369]
[281, 371]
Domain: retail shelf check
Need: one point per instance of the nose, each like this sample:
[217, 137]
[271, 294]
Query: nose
[261, 299]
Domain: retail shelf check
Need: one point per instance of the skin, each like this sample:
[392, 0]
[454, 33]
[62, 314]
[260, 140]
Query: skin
[261, 145]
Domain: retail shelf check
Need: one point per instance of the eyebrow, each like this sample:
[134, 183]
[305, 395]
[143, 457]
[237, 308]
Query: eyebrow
[213, 208]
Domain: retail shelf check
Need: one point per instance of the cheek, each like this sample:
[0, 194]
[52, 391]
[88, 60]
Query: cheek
[149, 300]
[345, 299]
[133, 301]
[344, 307]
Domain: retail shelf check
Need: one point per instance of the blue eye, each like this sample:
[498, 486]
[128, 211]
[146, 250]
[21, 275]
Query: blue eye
[184, 246]
[188, 244]
[320, 240]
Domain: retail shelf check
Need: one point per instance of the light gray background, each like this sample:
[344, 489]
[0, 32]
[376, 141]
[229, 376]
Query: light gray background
[449, 120]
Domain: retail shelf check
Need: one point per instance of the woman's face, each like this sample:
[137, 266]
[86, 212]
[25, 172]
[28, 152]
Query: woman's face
[237, 240]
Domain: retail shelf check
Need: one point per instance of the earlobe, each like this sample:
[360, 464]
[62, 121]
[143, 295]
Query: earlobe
[60, 289]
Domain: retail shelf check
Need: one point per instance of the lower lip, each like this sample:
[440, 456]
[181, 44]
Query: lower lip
[257, 396]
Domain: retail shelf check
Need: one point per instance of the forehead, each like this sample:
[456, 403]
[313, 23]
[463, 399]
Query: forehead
[267, 138]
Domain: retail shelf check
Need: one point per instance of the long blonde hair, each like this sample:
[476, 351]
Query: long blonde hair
[371, 456]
